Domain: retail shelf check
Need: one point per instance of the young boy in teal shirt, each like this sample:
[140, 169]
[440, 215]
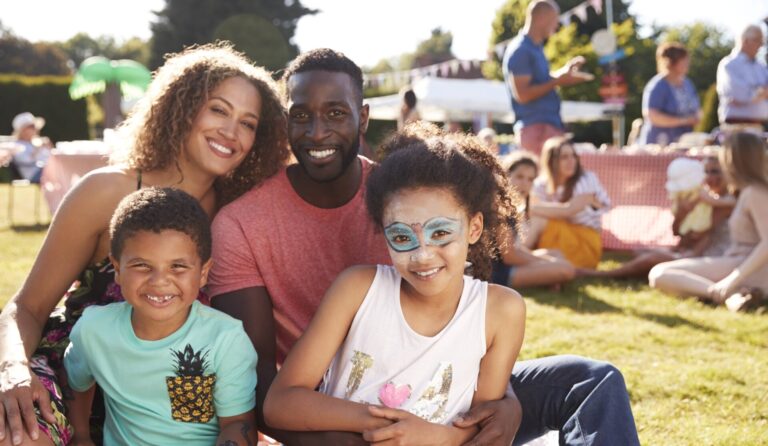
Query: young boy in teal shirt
[171, 370]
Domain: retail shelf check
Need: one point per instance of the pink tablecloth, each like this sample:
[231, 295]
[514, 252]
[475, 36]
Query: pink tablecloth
[640, 216]
[63, 170]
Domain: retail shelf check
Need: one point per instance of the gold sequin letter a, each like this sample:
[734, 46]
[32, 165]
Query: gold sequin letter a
[431, 405]
[361, 362]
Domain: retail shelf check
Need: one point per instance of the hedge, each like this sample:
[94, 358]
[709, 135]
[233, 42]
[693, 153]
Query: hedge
[46, 96]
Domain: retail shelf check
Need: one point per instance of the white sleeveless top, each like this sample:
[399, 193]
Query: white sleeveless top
[384, 362]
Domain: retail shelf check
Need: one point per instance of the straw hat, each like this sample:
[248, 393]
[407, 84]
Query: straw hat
[684, 174]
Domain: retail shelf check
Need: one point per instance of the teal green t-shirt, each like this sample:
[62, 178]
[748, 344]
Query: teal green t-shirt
[146, 400]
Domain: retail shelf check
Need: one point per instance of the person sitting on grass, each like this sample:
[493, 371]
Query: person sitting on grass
[444, 340]
[567, 204]
[516, 265]
[171, 368]
[211, 124]
[711, 238]
[738, 278]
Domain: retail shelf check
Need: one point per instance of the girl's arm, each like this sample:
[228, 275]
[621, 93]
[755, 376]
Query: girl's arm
[713, 199]
[238, 430]
[71, 243]
[555, 209]
[504, 332]
[292, 402]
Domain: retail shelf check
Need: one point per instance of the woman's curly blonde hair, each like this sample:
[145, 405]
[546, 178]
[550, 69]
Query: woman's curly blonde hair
[160, 123]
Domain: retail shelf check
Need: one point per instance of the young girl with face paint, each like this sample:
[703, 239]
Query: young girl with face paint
[401, 351]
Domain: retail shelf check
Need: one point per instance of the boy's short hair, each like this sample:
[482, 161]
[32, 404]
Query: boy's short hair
[159, 209]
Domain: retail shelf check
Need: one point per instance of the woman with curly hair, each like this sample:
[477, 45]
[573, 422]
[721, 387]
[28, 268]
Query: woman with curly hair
[212, 125]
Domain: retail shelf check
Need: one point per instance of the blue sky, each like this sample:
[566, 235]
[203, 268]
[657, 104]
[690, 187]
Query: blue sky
[366, 30]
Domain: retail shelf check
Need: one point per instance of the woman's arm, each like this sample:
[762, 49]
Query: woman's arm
[292, 402]
[661, 119]
[554, 209]
[71, 243]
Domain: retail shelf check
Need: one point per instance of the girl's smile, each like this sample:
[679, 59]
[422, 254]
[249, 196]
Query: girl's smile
[428, 234]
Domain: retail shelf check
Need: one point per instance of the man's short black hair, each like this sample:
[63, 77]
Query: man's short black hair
[326, 59]
[159, 209]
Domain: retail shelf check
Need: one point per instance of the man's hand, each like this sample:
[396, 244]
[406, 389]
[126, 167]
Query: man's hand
[570, 74]
[498, 421]
[19, 390]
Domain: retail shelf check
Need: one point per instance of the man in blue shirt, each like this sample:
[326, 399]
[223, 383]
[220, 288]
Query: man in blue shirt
[526, 73]
[742, 82]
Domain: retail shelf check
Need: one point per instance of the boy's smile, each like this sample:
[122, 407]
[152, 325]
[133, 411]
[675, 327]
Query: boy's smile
[160, 275]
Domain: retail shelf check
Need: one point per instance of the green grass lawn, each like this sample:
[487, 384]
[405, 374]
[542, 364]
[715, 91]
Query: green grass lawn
[696, 375]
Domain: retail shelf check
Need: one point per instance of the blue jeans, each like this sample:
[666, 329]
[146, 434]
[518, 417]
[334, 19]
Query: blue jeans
[585, 400]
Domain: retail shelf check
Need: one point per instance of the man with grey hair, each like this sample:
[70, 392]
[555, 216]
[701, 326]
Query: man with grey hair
[531, 86]
[742, 82]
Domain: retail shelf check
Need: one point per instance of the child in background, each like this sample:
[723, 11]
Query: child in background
[518, 266]
[703, 235]
[403, 350]
[170, 368]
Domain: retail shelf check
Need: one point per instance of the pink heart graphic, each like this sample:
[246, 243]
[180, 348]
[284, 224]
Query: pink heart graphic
[393, 396]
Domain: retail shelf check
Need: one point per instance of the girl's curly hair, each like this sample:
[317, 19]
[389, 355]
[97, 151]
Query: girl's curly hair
[421, 155]
[157, 128]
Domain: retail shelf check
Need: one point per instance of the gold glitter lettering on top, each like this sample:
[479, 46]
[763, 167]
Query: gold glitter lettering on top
[361, 362]
[432, 403]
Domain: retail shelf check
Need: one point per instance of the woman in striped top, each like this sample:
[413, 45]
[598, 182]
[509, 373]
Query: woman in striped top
[566, 206]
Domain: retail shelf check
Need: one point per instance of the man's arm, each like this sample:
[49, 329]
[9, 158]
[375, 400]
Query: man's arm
[524, 91]
[253, 307]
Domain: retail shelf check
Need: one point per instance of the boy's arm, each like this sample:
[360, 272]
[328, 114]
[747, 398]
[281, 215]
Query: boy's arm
[79, 379]
[79, 414]
[238, 430]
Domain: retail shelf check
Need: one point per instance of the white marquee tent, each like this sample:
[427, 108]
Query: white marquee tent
[440, 99]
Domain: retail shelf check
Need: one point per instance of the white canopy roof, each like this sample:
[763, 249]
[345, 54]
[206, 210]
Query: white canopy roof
[440, 99]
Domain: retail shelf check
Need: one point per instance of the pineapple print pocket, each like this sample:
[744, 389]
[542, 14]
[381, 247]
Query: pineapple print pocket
[191, 391]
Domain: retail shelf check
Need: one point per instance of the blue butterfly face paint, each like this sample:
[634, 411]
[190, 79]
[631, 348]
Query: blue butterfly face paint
[437, 231]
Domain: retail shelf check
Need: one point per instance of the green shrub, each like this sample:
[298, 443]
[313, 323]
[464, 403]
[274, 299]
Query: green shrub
[45, 96]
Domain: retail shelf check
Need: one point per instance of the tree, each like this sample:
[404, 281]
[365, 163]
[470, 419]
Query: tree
[436, 49]
[20, 56]
[185, 22]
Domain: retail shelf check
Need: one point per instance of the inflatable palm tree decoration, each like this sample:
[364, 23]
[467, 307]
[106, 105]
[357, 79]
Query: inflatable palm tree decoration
[114, 78]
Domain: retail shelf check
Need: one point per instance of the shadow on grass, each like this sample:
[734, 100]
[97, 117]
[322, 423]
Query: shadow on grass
[27, 227]
[577, 297]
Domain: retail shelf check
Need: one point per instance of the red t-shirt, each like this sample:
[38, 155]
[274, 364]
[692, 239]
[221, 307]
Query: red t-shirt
[270, 237]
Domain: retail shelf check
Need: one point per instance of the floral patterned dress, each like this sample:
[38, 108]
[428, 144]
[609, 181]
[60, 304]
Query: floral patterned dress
[95, 286]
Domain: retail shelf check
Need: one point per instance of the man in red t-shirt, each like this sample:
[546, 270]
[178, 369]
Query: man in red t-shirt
[277, 248]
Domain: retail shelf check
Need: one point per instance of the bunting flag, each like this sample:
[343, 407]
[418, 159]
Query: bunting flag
[396, 79]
